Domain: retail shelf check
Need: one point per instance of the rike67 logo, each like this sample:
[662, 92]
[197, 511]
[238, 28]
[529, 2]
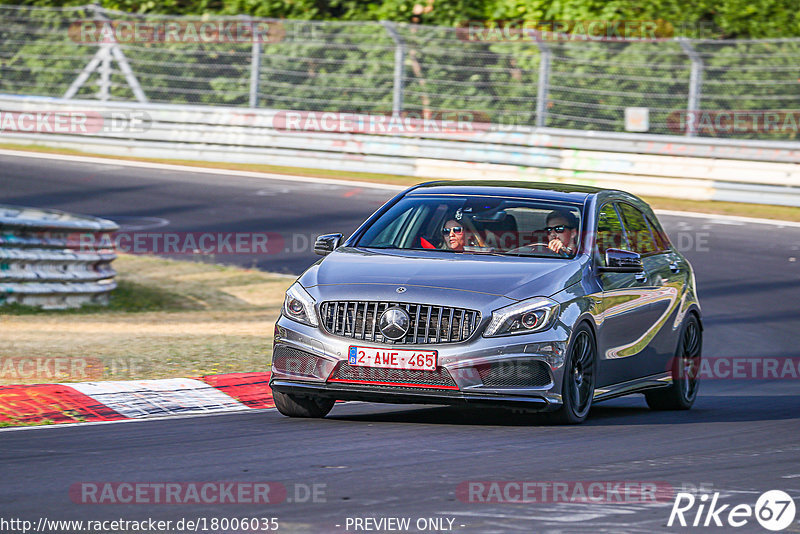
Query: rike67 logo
[774, 510]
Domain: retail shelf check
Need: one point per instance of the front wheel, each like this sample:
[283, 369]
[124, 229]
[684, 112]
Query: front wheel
[580, 372]
[296, 406]
[685, 368]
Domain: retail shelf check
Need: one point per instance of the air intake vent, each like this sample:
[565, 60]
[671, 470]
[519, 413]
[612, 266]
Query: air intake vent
[439, 379]
[296, 362]
[515, 374]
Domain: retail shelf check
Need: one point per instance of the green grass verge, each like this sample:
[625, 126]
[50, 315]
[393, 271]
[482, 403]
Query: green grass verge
[167, 318]
[16, 422]
[127, 297]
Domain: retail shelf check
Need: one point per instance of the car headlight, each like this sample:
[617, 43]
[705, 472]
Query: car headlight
[299, 306]
[528, 316]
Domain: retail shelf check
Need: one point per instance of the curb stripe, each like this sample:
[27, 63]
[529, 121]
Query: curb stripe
[134, 399]
[251, 389]
[143, 398]
[51, 402]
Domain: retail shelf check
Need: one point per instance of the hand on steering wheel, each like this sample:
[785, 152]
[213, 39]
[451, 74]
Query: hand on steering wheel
[558, 246]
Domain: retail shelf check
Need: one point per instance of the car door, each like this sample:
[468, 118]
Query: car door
[625, 305]
[656, 344]
[667, 272]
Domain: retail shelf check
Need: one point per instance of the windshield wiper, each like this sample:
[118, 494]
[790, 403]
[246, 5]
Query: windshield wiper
[483, 253]
[519, 255]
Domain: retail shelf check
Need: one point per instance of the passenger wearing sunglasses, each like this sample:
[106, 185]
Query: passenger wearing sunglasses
[453, 234]
[562, 231]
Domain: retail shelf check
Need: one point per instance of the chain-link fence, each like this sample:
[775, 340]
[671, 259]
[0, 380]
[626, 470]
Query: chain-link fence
[744, 88]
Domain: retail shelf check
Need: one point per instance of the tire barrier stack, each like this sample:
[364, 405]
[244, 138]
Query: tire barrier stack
[54, 260]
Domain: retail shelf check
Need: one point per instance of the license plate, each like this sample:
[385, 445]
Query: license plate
[414, 360]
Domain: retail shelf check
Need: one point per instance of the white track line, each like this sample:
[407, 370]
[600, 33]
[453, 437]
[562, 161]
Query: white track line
[332, 181]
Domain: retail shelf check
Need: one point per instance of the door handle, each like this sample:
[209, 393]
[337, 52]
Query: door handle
[640, 277]
[674, 267]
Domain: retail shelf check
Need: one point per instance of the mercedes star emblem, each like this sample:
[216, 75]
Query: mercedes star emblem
[394, 323]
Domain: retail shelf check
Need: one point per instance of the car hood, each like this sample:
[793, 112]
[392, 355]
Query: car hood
[513, 277]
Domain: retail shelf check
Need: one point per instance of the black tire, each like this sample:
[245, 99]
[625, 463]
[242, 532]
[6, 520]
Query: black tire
[579, 379]
[685, 367]
[297, 406]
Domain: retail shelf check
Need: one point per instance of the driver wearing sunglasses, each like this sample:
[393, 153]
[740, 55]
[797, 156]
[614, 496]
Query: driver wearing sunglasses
[453, 234]
[562, 231]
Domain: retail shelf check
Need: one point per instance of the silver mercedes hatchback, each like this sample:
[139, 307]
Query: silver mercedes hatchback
[533, 296]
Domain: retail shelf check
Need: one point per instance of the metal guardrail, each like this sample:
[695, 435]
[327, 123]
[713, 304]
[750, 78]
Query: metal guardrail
[49, 258]
[657, 165]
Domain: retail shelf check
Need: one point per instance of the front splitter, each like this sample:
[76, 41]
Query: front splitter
[399, 395]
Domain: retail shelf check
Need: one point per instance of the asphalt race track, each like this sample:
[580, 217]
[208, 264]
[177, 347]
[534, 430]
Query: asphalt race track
[742, 437]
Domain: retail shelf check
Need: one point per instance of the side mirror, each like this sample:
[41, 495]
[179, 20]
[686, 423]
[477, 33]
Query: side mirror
[621, 261]
[325, 244]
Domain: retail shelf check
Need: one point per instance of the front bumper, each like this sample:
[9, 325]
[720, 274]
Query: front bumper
[542, 402]
[322, 356]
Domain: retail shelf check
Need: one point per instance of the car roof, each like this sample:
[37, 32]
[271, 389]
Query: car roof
[541, 190]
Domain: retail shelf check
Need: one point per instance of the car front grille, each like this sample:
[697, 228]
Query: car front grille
[439, 379]
[429, 324]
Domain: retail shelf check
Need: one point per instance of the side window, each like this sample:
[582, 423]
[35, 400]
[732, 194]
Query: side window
[637, 229]
[609, 232]
[662, 241]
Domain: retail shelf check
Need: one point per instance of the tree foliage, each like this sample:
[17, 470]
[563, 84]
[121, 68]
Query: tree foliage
[711, 18]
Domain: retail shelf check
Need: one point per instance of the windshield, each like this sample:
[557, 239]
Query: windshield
[477, 225]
